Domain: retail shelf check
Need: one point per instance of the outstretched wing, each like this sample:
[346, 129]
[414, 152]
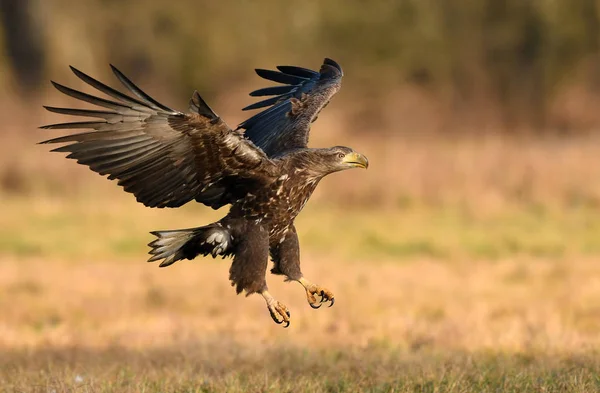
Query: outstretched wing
[294, 106]
[164, 157]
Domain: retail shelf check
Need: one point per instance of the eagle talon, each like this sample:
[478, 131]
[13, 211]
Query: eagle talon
[277, 321]
[278, 311]
[312, 290]
[327, 296]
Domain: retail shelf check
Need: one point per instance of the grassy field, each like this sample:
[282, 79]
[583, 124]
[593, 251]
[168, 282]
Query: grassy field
[458, 266]
[427, 300]
[423, 325]
[90, 227]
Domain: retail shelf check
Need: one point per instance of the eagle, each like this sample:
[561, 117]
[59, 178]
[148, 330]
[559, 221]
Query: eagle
[263, 169]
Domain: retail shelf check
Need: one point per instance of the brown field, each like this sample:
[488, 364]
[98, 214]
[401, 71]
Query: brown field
[396, 326]
[432, 301]
[418, 325]
[459, 264]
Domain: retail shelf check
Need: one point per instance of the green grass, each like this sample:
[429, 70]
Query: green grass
[229, 367]
[115, 227]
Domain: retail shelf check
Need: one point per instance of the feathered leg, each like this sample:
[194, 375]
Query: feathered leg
[286, 258]
[247, 272]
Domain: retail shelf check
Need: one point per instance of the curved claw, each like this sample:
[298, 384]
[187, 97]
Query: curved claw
[279, 312]
[325, 297]
[277, 321]
[312, 291]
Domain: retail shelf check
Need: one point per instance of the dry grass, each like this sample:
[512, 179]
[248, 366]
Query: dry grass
[453, 327]
[458, 265]
[422, 303]
[82, 311]
[513, 305]
[226, 367]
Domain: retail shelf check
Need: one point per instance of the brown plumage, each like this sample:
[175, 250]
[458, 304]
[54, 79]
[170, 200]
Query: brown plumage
[264, 168]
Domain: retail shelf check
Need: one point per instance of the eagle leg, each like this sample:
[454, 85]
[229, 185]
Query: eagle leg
[314, 290]
[278, 311]
[285, 253]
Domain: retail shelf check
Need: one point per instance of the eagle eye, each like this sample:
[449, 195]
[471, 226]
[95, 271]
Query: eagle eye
[341, 155]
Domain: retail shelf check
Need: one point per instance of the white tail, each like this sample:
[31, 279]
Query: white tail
[174, 245]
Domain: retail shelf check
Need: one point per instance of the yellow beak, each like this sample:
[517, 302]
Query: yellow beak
[356, 160]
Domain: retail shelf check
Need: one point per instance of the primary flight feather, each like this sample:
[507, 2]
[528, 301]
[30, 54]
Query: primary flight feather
[263, 168]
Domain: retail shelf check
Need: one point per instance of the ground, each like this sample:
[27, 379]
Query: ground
[458, 266]
[427, 300]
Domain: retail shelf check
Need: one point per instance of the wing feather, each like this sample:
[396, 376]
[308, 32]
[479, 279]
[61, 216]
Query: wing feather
[138, 92]
[110, 117]
[107, 89]
[273, 91]
[164, 157]
[280, 77]
[267, 102]
[117, 107]
[285, 123]
[298, 71]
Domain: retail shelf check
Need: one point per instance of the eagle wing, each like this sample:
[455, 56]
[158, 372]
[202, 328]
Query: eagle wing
[285, 124]
[164, 157]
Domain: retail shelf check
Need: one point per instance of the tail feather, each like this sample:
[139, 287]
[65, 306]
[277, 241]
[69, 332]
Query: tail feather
[174, 245]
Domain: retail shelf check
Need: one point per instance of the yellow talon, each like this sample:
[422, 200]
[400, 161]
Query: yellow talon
[279, 312]
[312, 290]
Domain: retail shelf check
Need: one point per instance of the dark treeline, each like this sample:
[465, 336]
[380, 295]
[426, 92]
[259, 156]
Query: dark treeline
[515, 56]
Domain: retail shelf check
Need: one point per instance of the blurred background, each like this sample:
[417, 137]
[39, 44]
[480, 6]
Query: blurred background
[474, 228]
[431, 88]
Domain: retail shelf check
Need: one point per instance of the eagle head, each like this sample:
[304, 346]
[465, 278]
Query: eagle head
[338, 158]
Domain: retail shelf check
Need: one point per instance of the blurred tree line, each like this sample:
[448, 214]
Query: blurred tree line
[515, 56]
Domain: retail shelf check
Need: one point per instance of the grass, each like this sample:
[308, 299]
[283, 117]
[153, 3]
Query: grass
[208, 368]
[85, 227]
[420, 326]
[453, 277]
